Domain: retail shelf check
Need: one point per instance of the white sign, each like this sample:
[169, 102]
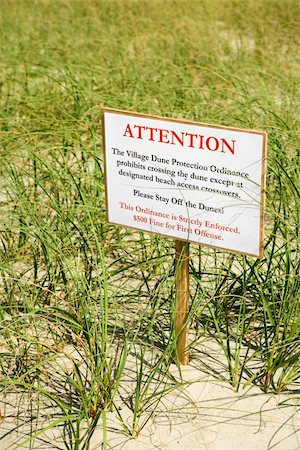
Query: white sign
[187, 180]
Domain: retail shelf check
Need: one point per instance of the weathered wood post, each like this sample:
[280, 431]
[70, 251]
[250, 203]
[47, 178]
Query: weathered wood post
[182, 300]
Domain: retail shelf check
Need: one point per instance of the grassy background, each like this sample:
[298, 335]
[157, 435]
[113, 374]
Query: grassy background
[79, 298]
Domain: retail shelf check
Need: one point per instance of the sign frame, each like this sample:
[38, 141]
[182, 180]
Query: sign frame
[200, 124]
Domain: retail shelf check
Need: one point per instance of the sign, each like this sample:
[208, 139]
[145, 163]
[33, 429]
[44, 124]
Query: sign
[190, 181]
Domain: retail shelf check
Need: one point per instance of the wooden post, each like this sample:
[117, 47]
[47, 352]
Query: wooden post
[182, 300]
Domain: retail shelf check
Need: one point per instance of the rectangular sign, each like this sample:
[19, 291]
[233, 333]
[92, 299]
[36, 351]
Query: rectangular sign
[187, 180]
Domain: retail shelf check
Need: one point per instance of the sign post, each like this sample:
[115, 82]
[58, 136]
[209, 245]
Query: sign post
[182, 300]
[190, 181]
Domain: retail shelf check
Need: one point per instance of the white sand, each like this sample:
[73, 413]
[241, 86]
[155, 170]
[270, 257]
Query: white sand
[206, 414]
[210, 415]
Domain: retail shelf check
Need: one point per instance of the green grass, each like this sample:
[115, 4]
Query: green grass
[85, 305]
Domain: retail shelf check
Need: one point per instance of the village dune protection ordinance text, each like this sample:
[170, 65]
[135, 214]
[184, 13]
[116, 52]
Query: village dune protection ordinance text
[187, 180]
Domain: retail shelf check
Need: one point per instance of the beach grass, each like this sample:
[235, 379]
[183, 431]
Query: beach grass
[87, 308]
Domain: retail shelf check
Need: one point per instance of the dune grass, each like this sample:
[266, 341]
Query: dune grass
[86, 306]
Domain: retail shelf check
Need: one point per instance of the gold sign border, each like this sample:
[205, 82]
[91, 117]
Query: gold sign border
[191, 122]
